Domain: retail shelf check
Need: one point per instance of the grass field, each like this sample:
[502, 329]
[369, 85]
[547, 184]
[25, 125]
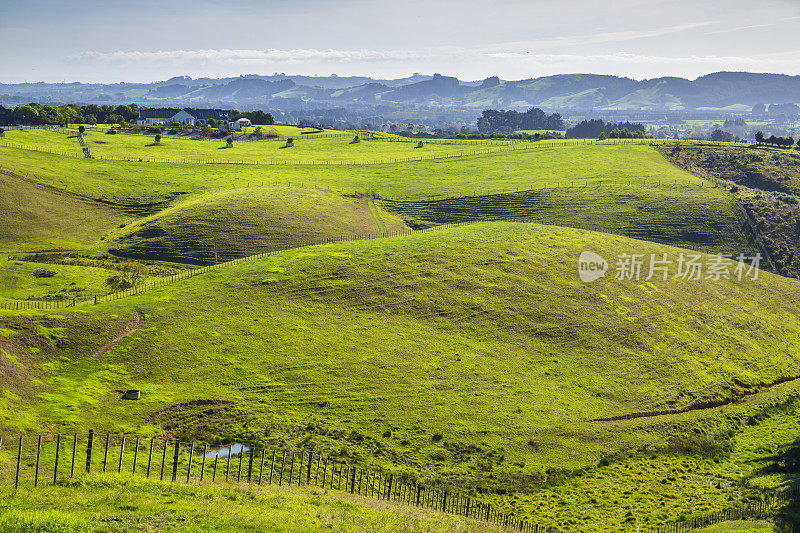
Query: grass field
[109, 503]
[178, 149]
[381, 346]
[470, 358]
[590, 165]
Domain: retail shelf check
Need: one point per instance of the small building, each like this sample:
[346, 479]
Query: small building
[237, 125]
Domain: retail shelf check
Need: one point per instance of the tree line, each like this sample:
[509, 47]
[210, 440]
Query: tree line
[35, 114]
[507, 122]
[599, 129]
[775, 141]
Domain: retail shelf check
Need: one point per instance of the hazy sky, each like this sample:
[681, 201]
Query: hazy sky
[144, 40]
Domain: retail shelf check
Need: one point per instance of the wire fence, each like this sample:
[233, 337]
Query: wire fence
[50, 459]
[16, 305]
[496, 149]
[395, 205]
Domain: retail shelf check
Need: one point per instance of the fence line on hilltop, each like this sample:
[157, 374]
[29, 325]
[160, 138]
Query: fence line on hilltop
[50, 459]
[498, 149]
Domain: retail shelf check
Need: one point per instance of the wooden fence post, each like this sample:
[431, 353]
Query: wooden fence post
[261, 470]
[214, 472]
[135, 455]
[308, 477]
[272, 468]
[19, 463]
[228, 468]
[189, 468]
[38, 454]
[58, 453]
[241, 456]
[121, 453]
[89, 444]
[203, 463]
[291, 470]
[105, 454]
[283, 463]
[74, 453]
[150, 456]
[175, 460]
[300, 469]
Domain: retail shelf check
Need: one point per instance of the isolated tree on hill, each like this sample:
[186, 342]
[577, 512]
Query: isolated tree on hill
[158, 139]
[129, 275]
[81, 129]
[230, 142]
[721, 136]
[289, 142]
[759, 137]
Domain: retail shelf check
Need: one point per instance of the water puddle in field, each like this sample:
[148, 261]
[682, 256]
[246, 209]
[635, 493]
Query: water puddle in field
[235, 448]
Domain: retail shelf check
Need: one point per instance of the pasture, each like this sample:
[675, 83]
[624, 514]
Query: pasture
[320, 150]
[486, 326]
[468, 357]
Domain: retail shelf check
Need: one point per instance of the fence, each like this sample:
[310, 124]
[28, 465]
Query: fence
[754, 510]
[496, 149]
[16, 305]
[48, 459]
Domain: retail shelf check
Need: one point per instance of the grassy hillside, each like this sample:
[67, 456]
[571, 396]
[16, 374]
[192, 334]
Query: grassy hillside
[35, 216]
[772, 179]
[224, 225]
[576, 165]
[698, 218]
[179, 149]
[758, 168]
[473, 356]
[107, 503]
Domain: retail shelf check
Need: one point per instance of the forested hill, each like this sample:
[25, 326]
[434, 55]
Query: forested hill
[552, 93]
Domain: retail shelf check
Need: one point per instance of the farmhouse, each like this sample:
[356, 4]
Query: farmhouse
[186, 116]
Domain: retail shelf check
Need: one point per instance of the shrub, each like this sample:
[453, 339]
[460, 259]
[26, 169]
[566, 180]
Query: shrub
[229, 142]
[153, 129]
[289, 142]
[81, 129]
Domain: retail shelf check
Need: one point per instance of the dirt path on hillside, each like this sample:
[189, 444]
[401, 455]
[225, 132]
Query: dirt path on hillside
[132, 327]
[739, 398]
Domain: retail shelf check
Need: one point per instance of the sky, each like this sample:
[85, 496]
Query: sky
[143, 40]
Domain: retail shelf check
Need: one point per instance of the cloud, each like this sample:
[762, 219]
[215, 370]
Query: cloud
[599, 38]
[244, 56]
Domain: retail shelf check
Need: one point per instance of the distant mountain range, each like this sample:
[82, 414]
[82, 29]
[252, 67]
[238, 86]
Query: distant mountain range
[724, 91]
